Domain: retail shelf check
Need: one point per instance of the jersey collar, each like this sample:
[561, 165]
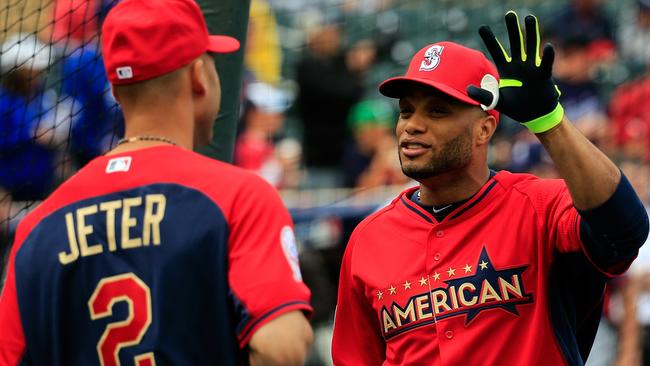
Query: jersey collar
[472, 206]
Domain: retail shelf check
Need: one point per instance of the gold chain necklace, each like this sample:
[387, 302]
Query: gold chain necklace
[146, 138]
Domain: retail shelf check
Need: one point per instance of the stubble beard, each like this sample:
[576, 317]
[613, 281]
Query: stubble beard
[455, 154]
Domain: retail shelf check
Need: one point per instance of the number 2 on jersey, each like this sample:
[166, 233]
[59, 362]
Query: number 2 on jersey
[128, 332]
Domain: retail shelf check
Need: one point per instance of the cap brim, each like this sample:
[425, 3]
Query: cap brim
[222, 44]
[398, 86]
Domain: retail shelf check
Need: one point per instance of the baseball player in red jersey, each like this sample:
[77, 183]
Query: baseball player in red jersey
[153, 254]
[476, 267]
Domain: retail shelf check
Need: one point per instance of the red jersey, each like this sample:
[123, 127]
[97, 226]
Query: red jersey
[502, 280]
[158, 256]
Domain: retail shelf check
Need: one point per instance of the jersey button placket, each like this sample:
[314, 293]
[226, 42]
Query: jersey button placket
[449, 334]
[434, 252]
[437, 234]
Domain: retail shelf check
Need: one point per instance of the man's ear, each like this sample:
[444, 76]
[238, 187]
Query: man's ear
[485, 128]
[198, 77]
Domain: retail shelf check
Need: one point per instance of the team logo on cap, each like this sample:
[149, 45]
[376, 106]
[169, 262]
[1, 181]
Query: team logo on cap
[431, 58]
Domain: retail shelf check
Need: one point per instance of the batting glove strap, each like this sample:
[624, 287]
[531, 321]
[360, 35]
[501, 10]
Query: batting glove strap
[545, 123]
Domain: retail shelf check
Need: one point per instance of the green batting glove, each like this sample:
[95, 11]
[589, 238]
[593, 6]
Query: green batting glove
[527, 92]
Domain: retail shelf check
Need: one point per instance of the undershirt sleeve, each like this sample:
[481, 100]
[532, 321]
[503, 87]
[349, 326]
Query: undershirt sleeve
[613, 232]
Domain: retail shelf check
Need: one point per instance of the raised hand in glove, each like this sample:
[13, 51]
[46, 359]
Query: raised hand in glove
[527, 92]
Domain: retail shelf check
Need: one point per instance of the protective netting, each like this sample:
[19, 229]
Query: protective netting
[56, 109]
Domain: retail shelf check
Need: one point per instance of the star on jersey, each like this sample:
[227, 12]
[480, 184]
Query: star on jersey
[451, 272]
[392, 289]
[491, 278]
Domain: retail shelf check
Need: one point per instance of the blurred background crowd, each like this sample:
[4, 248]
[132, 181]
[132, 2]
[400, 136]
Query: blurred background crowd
[313, 124]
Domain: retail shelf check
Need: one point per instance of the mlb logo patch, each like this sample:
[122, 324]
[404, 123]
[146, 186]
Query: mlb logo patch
[288, 241]
[118, 165]
[125, 72]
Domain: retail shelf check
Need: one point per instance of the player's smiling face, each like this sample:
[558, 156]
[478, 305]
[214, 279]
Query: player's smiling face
[435, 133]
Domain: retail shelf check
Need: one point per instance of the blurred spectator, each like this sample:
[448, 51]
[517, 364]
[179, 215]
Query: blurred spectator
[263, 56]
[634, 34]
[630, 115]
[580, 96]
[262, 119]
[33, 120]
[370, 158]
[617, 339]
[99, 120]
[365, 6]
[5, 216]
[500, 153]
[588, 19]
[75, 34]
[330, 82]
[78, 21]
[361, 56]
[526, 152]
[624, 334]
[638, 172]
[288, 153]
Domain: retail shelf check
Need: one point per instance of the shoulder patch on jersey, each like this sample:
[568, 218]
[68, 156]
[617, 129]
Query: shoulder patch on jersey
[121, 164]
[288, 241]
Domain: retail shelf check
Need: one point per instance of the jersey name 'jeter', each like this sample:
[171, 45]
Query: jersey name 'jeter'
[122, 209]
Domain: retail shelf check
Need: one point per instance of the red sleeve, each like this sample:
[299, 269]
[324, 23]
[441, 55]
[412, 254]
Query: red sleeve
[357, 337]
[562, 219]
[562, 222]
[12, 338]
[264, 272]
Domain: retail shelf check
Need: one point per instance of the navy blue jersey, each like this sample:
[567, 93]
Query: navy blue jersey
[153, 257]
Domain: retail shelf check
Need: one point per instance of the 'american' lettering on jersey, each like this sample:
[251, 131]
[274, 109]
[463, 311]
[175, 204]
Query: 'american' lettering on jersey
[487, 288]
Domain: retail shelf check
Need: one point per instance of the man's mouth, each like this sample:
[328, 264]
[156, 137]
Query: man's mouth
[413, 149]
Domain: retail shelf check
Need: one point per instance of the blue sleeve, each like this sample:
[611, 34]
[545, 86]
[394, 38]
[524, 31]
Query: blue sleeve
[16, 122]
[613, 232]
[83, 74]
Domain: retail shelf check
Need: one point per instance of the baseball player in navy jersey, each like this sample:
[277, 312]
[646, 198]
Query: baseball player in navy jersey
[476, 267]
[153, 254]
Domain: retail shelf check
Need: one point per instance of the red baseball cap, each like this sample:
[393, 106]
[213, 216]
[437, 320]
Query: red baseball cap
[144, 39]
[450, 68]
